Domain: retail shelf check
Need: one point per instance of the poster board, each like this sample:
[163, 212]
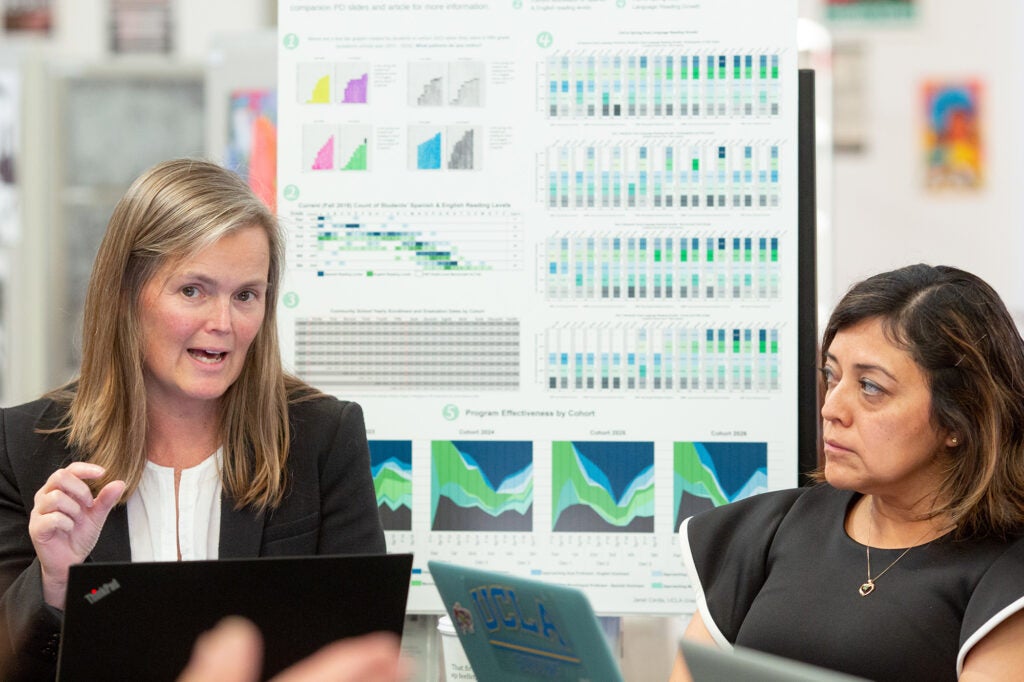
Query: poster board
[551, 248]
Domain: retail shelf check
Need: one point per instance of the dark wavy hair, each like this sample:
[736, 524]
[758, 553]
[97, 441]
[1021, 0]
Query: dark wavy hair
[957, 329]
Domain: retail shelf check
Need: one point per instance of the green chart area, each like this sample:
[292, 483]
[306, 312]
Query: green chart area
[357, 160]
[481, 485]
[602, 487]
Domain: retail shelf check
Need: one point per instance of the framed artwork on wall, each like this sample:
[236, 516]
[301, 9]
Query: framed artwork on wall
[952, 136]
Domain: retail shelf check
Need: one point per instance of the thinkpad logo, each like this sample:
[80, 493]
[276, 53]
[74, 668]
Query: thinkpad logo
[98, 593]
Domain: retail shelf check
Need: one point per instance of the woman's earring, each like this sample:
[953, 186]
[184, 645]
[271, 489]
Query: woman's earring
[954, 441]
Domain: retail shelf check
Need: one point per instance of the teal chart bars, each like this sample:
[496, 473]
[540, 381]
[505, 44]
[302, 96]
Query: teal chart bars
[653, 266]
[744, 85]
[664, 359]
[385, 244]
[550, 247]
[685, 177]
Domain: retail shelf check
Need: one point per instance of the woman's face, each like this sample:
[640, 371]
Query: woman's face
[199, 316]
[878, 435]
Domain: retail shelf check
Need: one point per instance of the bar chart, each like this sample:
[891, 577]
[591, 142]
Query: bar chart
[653, 358]
[698, 85]
[336, 147]
[333, 83]
[701, 175]
[439, 83]
[652, 267]
[370, 245]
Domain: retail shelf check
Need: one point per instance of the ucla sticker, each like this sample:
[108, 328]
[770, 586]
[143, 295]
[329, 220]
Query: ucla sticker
[526, 635]
[463, 619]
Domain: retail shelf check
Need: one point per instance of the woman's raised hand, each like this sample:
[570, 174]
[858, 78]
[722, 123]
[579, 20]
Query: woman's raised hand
[66, 521]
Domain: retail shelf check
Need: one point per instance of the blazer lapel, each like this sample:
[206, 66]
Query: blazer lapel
[241, 531]
[113, 543]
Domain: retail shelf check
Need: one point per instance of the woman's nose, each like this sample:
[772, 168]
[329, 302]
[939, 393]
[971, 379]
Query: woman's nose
[834, 407]
[220, 315]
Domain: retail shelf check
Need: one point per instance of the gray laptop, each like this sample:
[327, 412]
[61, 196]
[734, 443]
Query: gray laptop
[139, 621]
[708, 663]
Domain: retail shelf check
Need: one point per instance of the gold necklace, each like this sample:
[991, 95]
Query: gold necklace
[869, 587]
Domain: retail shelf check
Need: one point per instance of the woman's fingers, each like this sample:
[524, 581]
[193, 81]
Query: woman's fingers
[57, 500]
[66, 521]
[105, 500]
[368, 658]
[231, 652]
[46, 526]
[72, 480]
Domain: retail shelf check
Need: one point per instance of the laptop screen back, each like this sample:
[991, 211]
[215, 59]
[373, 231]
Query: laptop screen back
[708, 663]
[514, 628]
[134, 621]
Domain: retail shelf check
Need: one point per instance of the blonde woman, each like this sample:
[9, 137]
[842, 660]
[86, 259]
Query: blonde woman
[182, 438]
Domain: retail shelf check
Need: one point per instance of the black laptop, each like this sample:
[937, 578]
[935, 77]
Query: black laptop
[139, 621]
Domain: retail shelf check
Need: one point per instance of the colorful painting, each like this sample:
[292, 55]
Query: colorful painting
[952, 135]
[252, 140]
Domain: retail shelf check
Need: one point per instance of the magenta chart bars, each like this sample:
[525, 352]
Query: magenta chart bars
[548, 246]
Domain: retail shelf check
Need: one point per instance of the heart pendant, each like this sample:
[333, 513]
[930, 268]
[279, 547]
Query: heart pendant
[867, 588]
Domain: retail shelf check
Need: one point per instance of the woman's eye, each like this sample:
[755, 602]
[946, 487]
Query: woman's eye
[246, 296]
[827, 375]
[190, 291]
[870, 387]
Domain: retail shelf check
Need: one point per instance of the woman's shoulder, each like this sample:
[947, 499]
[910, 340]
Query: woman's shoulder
[769, 510]
[315, 416]
[317, 406]
[778, 501]
[44, 413]
[999, 593]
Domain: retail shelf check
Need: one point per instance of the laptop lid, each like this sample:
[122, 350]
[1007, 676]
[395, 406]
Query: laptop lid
[514, 628]
[139, 621]
[708, 663]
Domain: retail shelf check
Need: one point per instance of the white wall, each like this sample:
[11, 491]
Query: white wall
[883, 216]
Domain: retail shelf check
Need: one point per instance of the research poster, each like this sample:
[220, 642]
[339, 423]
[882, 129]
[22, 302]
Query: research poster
[550, 247]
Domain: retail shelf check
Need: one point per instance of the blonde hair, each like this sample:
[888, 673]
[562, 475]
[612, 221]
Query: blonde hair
[172, 211]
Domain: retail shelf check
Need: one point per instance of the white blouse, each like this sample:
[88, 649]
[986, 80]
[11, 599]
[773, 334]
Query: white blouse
[152, 531]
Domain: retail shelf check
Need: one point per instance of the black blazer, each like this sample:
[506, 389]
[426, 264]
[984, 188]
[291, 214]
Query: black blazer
[330, 508]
